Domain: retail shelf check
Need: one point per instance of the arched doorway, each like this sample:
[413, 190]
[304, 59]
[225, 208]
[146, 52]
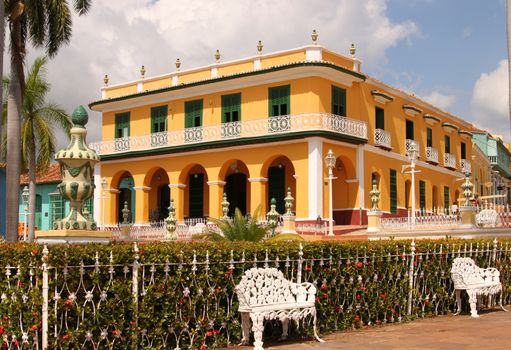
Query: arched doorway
[237, 187]
[126, 195]
[343, 200]
[196, 192]
[435, 198]
[159, 194]
[280, 177]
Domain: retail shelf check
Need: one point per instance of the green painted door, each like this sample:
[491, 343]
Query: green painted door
[277, 186]
[193, 113]
[278, 101]
[122, 125]
[56, 208]
[159, 119]
[409, 130]
[446, 199]
[447, 144]
[38, 211]
[196, 196]
[429, 137]
[380, 118]
[338, 101]
[393, 191]
[231, 108]
[422, 195]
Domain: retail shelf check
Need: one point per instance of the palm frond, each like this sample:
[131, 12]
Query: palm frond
[82, 6]
[59, 26]
[36, 15]
[46, 143]
[240, 228]
[54, 114]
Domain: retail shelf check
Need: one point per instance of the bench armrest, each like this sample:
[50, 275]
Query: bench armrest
[304, 291]
[490, 274]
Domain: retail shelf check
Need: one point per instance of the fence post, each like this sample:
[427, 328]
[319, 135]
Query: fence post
[44, 326]
[494, 250]
[300, 262]
[134, 291]
[410, 277]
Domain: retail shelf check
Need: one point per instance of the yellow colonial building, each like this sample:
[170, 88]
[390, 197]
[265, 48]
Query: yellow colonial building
[253, 127]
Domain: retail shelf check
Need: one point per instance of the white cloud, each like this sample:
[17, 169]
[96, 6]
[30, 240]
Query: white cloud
[490, 100]
[467, 32]
[116, 37]
[441, 100]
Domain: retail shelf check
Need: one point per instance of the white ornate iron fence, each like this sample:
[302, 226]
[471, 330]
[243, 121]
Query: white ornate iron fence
[450, 161]
[235, 130]
[382, 138]
[426, 220]
[431, 155]
[466, 166]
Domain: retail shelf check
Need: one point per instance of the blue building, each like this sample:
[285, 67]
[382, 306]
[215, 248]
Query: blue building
[2, 199]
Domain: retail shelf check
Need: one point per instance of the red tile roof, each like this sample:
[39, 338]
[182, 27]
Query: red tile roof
[52, 175]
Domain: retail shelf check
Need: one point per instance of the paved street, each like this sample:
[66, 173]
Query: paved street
[492, 330]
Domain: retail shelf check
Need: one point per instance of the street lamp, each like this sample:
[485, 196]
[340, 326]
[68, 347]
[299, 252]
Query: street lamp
[413, 153]
[330, 163]
[104, 187]
[24, 198]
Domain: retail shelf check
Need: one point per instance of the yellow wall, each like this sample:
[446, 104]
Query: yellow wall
[155, 84]
[238, 68]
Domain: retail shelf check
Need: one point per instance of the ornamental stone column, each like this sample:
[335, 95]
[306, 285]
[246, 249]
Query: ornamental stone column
[467, 210]
[374, 215]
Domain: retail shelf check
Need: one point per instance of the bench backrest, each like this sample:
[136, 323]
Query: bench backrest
[263, 286]
[465, 272]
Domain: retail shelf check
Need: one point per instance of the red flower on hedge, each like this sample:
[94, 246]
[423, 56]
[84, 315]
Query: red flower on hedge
[68, 302]
[2, 329]
[382, 296]
[66, 336]
[116, 333]
[357, 318]
[337, 308]
[325, 295]
[360, 264]
[318, 300]
[324, 286]
[209, 333]
[359, 296]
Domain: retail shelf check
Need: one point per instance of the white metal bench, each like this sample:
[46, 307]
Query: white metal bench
[487, 217]
[476, 281]
[264, 294]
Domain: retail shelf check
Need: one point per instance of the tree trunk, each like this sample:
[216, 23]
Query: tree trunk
[14, 108]
[31, 188]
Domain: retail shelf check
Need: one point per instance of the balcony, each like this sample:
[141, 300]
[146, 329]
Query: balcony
[411, 144]
[382, 139]
[466, 167]
[449, 161]
[431, 155]
[280, 125]
[493, 160]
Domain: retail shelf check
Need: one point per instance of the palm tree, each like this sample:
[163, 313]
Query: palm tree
[240, 228]
[46, 24]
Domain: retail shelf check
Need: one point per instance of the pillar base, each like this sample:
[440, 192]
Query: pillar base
[468, 217]
[373, 221]
[72, 236]
[289, 224]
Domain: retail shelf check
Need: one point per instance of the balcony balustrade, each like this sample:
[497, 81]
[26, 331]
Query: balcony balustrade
[382, 138]
[286, 124]
[431, 155]
[466, 167]
[449, 161]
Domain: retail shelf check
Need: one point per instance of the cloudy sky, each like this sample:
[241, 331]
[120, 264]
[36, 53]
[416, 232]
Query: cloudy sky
[451, 55]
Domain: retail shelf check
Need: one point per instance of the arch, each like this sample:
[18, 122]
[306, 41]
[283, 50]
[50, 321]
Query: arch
[343, 201]
[279, 171]
[196, 192]
[159, 194]
[235, 173]
[126, 194]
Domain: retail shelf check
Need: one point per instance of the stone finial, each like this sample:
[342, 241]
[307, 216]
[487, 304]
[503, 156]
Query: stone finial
[467, 187]
[273, 215]
[105, 80]
[259, 47]
[171, 221]
[289, 202]
[80, 117]
[178, 64]
[142, 72]
[125, 214]
[375, 197]
[314, 37]
[353, 50]
[217, 56]
[225, 208]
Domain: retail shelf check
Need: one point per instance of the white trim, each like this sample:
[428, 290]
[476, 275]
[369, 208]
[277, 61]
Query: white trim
[351, 181]
[269, 77]
[143, 188]
[360, 175]
[220, 183]
[315, 171]
[140, 86]
[313, 53]
[97, 194]
[177, 186]
[257, 179]
[103, 93]
[175, 80]
[257, 63]
[214, 72]
[404, 159]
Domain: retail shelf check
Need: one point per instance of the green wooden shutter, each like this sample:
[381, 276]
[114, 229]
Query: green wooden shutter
[193, 113]
[338, 101]
[463, 150]
[446, 199]
[409, 130]
[393, 191]
[380, 118]
[278, 101]
[231, 108]
[447, 144]
[422, 195]
[122, 124]
[429, 137]
[159, 119]
[56, 208]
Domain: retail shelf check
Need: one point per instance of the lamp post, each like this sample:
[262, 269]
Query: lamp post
[24, 197]
[104, 187]
[330, 163]
[412, 156]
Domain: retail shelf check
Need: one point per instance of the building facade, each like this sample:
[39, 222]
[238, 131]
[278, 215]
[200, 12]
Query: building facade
[251, 128]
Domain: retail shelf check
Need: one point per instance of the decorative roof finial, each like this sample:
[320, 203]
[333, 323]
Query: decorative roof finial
[314, 37]
[259, 47]
[142, 72]
[105, 80]
[217, 56]
[178, 64]
[353, 50]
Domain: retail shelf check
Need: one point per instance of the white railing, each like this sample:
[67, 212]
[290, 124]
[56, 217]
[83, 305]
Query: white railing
[466, 166]
[431, 155]
[493, 159]
[382, 138]
[449, 161]
[429, 220]
[236, 130]
[411, 144]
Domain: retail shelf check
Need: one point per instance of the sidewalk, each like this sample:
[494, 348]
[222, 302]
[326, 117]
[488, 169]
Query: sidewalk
[492, 330]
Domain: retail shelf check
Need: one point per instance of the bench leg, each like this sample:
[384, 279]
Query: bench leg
[245, 326]
[285, 328]
[472, 299]
[257, 328]
[500, 302]
[458, 302]
[314, 321]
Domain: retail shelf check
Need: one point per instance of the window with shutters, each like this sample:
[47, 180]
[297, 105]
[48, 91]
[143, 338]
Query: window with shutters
[393, 191]
[231, 108]
[122, 125]
[278, 101]
[159, 119]
[429, 137]
[446, 199]
[463, 150]
[447, 144]
[380, 118]
[193, 113]
[409, 130]
[56, 208]
[338, 101]
[422, 195]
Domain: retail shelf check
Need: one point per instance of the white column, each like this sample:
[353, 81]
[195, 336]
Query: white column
[315, 161]
[360, 176]
[257, 63]
[97, 195]
[314, 53]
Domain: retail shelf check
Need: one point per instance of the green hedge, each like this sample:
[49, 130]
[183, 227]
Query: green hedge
[187, 305]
